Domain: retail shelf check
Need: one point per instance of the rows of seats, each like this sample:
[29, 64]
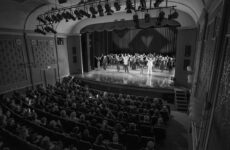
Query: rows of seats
[83, 118]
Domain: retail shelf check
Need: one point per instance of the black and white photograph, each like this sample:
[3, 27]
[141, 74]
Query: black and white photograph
[114, 75]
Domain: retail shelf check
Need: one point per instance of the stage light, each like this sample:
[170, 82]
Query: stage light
[157, 3]
[100, 10]
[62, 1]
[49, 29]
[70, 15]
[78, 14]
[160, 17]
[174, 15]
[129, 6]
[64, 15]
[55, 18]
[84, 13]
[136, 20]
[48, 18]
[108, 9]
[147, 17]
[59, 16]
[39, 18]
[37, 30]
[117, 6]
[93, 11]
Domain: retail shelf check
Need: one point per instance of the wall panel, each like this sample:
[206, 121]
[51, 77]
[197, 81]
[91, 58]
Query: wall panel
[13, 71]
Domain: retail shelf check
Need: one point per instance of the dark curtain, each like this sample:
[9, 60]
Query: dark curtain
[84, 52]
[151, 40]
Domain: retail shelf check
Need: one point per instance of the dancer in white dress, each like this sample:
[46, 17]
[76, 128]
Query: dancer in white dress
[150, 65]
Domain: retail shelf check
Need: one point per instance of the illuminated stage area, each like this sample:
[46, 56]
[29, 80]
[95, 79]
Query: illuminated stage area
[158, 79]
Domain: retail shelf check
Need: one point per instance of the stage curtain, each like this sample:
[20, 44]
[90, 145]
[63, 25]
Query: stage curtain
[151, 40]
[158, 40]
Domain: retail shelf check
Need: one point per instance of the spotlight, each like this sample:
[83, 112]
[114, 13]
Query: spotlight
[37, 30]
[160, 17]
[70, 15]
[64, 15]
[39, 18]
[108, 9]
[55, 18]
[48, 18]
[93, 11]
[49, 29]
[59, 16]
[157, 3]
[147, 17]
[62, 1]
[84, 13]
[78, 14]
[174, 15]
[117, 6]
[129, 6]
[136, 20]
[100, 10]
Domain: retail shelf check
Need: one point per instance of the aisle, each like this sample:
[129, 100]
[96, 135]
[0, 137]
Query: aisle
[177, 132]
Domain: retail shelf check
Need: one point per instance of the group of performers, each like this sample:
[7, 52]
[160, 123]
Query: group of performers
[137, 60]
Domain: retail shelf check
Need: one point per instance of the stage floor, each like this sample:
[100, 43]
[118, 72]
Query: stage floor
[158, 79]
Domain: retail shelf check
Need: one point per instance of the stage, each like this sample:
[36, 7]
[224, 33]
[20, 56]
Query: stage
[158, 79]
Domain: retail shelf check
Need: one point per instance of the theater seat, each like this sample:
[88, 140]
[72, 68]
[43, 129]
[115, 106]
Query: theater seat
[146, 130]
[160, 134]
[98, 147]
[113, 146]
[132, 141]
[145, 139]
[84, 145]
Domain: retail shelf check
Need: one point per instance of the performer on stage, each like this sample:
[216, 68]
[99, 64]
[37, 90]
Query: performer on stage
[150, 65]
[126, 62]
[98, 62]
[141, 62]
[105, 62]
[117, 61]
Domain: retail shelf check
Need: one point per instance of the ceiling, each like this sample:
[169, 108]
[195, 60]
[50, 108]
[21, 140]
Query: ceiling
[21, 14]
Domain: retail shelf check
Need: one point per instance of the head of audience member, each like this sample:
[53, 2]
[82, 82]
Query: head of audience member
[99, 139]
[24, 132]
[3, 120]
[150, 145]
[44, 121]
[82, 117]
[115, 138]
[74, 105]
[53, 124]
[8, 114]
[45, 142]
[73, 115]
[63, 114]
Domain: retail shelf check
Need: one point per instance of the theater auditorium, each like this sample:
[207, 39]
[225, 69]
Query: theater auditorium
[114, 75]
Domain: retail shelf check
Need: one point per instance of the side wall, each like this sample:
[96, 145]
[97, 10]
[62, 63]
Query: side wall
[30, 60]
[74, 54]
[186, 49]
